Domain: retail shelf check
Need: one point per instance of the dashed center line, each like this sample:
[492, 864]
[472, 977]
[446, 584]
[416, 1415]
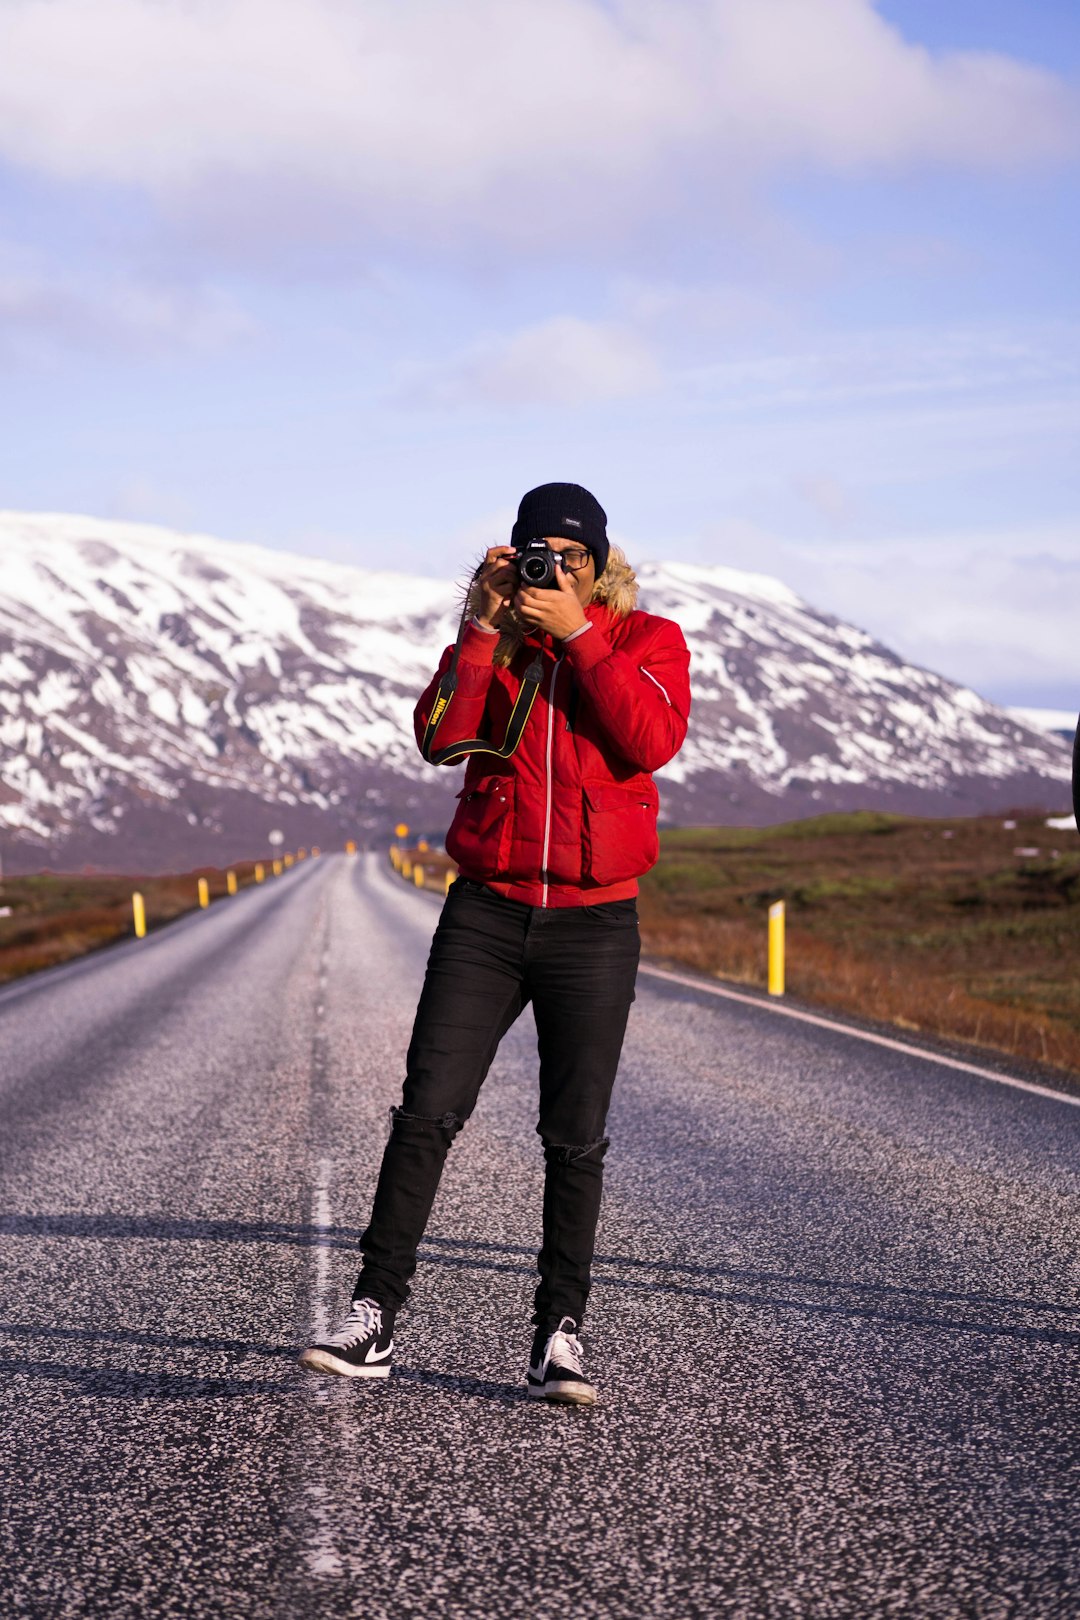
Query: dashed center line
[321, 1555]
[321, 1222]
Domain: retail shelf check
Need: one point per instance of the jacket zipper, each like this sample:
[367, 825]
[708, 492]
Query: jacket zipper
[662, 688]
[547, 780]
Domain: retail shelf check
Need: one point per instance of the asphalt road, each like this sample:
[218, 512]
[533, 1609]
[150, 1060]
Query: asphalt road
[835, 1323]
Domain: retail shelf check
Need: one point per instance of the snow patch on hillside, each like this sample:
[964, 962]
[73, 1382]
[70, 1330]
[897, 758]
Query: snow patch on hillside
[140, 667]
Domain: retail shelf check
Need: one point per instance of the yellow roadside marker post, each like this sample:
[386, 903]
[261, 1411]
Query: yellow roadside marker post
[776, 948]
[301, 854]
[450, 876]
[418, 876]
[277, 868]
[260, 871]
[204, 893]
[288, 862]
[405, 868]
[350, 848]
[230, 882]
[138, 908]
[315, 852]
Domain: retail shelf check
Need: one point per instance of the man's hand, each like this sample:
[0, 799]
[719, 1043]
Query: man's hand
[559, 612]
[498, 582]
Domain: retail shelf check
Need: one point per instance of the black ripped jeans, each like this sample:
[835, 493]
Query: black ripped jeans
[490, 957]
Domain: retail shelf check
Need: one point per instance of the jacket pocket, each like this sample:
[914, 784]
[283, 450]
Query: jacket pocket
[621, 840]
[480, 834]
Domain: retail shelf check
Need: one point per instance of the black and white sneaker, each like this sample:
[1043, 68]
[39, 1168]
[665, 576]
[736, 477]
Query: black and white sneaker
[362, 1347]
[555, 1367]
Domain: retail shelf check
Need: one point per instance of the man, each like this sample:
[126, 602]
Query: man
[549, 840]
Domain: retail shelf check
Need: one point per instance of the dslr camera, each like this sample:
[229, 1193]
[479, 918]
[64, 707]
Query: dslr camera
[536, 564]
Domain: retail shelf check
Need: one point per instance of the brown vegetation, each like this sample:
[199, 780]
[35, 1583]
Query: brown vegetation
[968, 929]
[55, 916]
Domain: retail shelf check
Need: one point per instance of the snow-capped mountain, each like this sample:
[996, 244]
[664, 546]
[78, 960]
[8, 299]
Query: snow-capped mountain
[1059, 722]
[169, 698]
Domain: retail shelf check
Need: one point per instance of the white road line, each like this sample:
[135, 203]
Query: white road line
[322, 1555]
[320, 1220]
[843, 1029]
[862, 1035]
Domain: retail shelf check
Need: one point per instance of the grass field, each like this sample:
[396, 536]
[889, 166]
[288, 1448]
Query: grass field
[968, 929]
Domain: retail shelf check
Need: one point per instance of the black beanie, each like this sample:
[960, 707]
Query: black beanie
[565, 510]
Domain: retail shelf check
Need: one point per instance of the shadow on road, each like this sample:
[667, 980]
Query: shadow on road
[136, 1384]
[124, 1383]
[724, 1284]
[162, 1341]
[452, 1384]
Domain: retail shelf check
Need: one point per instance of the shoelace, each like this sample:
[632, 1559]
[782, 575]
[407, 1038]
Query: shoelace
[566, 1350]
[364, 1318]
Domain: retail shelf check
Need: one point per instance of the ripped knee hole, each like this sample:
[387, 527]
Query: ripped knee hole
[572, 1153]
[445, 1122]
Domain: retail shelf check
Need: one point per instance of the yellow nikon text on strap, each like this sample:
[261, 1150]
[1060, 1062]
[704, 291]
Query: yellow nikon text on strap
[478, 745]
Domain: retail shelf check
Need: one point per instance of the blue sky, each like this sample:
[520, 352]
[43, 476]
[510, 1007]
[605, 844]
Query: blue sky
[791, 284]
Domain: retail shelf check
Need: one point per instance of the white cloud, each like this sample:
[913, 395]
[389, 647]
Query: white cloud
[995, 609]
[142, 499]
[546, 123]
[883, 366]
[828, 496]
[44, 313]
[563, 361]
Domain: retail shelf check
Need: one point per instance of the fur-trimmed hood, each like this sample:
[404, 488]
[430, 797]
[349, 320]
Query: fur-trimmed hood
[616, 589]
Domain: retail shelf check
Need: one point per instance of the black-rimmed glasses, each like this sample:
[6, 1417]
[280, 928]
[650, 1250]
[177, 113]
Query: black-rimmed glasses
[574, 558]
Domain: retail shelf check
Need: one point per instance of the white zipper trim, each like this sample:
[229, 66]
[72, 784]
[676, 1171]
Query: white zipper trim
[655, 682]
[547, 781]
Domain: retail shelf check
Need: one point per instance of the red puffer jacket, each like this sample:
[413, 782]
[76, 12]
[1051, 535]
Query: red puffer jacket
[570, 818]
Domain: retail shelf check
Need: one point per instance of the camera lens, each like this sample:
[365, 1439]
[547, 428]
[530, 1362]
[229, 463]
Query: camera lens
[536, 570]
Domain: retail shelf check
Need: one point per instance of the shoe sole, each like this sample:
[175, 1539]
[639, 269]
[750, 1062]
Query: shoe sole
[322, 1361]
[564, 1394]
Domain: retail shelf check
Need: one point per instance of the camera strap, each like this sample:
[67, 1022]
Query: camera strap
[478, 745]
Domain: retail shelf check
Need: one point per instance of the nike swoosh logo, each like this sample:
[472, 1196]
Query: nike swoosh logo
[379, 1355]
